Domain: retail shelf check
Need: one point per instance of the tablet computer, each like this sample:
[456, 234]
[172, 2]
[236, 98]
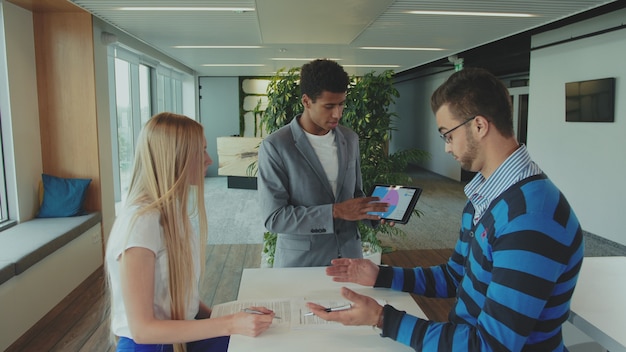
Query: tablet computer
[401, 199]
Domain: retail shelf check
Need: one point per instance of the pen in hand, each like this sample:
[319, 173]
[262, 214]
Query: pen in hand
[253, 311]
[333, 309]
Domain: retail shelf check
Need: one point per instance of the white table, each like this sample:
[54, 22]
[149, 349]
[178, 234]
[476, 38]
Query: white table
[598, 306]
[313, 283]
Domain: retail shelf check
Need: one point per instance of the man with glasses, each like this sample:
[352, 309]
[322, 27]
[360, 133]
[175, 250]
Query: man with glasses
[515, 266]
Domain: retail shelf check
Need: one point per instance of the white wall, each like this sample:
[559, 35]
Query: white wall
[219, 112]
[416, 126]
[587, 161]
[20, 112]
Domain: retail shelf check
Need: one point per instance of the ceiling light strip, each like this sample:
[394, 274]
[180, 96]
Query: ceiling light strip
[377, 66]
[300, 59]
[233, 65]
[399, 48]
[165, 8]
[217, 47]
[467, 13]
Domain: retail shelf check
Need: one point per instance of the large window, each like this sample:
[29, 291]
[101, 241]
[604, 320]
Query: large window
[4, 95]
[169, 90]
[142, 89]
[4, 209]
[145, 98]
[124, 112]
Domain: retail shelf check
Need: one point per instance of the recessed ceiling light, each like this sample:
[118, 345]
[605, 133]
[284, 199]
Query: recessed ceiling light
[469, 13]
[398, 48]
[217, 47]
[178, 8]
[233, 65]
[300, 59]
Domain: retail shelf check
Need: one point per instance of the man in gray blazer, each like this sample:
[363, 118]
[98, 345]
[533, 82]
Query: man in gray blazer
[309, 176]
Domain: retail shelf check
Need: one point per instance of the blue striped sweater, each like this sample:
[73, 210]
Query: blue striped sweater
[513, 274]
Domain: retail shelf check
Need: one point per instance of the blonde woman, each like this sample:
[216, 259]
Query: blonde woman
[154, 255]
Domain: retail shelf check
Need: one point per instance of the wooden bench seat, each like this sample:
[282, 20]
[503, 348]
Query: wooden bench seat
[26, 244]
[41, 261]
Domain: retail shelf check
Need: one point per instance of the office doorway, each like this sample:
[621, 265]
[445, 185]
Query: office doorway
[519, 98]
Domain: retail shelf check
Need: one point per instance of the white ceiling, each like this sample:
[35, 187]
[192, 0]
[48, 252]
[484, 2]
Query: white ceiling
[334, 29]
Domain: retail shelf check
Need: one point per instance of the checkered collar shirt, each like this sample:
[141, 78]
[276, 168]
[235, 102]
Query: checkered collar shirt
[481, 191]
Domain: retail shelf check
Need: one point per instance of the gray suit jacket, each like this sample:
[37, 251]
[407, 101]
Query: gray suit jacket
[296, 198]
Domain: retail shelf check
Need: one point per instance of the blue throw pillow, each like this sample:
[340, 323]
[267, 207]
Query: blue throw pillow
[62, 196]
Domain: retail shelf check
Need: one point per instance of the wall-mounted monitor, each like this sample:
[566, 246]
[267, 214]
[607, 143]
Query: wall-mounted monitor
[590, 101]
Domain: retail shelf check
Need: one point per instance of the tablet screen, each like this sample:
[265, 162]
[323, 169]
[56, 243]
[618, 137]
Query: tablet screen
[401, 199]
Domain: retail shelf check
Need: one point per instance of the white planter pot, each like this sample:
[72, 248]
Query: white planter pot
[264, 261]
[368, 253]
[374, 257]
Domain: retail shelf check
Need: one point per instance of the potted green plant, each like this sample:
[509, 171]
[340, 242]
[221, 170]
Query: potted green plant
[367, 113]
[283, 99]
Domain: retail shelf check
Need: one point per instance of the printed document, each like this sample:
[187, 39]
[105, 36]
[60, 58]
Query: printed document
[291, 312]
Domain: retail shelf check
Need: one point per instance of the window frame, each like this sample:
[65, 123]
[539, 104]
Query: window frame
[165, 93]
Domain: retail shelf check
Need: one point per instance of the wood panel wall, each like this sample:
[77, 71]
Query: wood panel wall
[67, 98]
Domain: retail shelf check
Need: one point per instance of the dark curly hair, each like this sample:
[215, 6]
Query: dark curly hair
[322, 75]
[475, 91]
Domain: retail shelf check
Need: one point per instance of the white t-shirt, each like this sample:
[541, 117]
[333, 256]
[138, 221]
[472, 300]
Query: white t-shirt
[146, 233]
[326, 150]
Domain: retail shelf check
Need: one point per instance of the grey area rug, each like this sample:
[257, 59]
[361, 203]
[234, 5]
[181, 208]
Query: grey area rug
[234, 214]
[440, 204]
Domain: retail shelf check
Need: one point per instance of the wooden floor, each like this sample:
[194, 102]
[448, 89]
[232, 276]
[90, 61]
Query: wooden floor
[436, 309]
[80, 321]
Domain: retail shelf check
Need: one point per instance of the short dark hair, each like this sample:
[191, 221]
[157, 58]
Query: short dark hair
[322, 75]
[475, 91]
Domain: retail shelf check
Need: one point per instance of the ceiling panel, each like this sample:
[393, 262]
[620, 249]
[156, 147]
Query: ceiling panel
[317, 22]
[304, 29]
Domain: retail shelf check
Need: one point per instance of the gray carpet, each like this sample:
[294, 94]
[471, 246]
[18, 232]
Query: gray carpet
[234, 214]
[440, 204]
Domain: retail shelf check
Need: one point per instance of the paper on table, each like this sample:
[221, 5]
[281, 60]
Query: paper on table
[282, 308]
[290, 310]
[306, 321]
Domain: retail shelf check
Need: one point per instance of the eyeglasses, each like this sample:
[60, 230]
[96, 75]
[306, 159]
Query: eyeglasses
[446, 136]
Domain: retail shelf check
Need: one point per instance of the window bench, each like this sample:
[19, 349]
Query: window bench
[41, 261]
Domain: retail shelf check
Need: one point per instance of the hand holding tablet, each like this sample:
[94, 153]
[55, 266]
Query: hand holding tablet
[401, 200]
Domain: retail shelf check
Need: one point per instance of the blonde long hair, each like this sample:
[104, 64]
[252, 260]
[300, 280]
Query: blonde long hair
[168, 167]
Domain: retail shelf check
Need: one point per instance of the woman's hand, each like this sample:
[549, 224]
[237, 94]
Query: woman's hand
[252, 324]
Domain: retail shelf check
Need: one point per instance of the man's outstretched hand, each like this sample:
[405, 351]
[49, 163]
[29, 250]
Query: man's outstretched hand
[365, 310]
[360, 271]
